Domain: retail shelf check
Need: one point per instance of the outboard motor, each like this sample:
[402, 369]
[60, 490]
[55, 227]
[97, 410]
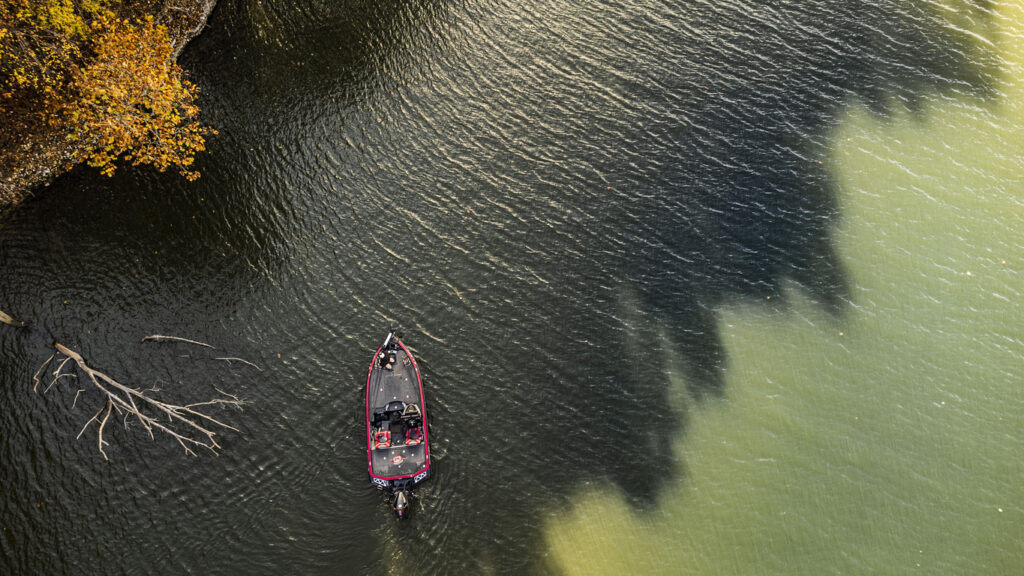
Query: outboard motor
[401, 504]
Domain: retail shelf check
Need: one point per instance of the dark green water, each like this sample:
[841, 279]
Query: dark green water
[547, 198]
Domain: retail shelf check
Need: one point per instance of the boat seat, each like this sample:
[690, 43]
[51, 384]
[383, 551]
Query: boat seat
[413, 436]
[381, 439]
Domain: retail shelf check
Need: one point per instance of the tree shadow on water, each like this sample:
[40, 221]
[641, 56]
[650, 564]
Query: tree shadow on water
[761, 212]
[747, 202]
[741, 203]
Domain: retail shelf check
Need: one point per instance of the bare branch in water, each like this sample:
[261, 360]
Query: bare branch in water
[185, 423]
[7, 319]
[242, 361]
[39, 372]
[161, 338]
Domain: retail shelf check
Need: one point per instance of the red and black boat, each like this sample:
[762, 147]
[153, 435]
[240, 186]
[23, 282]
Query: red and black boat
[397, 448]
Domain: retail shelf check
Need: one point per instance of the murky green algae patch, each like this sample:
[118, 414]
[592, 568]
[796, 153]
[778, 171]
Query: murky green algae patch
[890, 439]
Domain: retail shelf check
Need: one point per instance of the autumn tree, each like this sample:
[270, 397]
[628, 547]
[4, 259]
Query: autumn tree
[133, 101]
[40, 42]
[101, 75]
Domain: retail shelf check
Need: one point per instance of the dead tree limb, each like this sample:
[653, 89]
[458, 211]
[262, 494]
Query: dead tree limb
[39, 372]
[189, 426]
[161, 338]
[240, 360]
[10, 321]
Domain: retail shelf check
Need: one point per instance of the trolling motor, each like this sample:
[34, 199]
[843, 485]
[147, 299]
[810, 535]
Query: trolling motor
[401, 505]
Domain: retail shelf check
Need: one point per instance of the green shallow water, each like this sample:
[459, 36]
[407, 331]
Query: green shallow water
[888, 438]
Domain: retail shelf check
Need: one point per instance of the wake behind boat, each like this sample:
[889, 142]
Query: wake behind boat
[398, 453]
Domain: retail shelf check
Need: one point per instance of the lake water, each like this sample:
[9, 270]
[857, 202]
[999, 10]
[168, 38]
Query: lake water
[709, 288]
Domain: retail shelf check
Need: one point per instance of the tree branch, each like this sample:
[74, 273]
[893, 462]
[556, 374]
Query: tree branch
[39, 372]
[242, 361]
[7, 319]
[160, 338]
[189, 426]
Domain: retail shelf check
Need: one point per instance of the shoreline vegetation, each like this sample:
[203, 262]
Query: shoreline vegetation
[95, 81]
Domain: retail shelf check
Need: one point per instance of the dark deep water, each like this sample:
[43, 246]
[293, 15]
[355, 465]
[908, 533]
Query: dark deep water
[492, 177]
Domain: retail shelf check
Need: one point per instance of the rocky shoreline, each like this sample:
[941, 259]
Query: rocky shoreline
[44, 154]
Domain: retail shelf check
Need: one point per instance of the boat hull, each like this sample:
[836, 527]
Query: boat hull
[397, 439]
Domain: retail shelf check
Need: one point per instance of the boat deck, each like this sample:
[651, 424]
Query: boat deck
[400, 455]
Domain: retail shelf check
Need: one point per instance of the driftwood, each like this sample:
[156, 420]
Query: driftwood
[7, 319]
[186, 424]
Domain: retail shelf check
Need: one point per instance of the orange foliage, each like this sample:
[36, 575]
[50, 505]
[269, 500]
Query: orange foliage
[39, 42]
[109, 84]
[134, 102]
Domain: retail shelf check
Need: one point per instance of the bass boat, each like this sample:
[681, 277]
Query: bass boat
[397, 448]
